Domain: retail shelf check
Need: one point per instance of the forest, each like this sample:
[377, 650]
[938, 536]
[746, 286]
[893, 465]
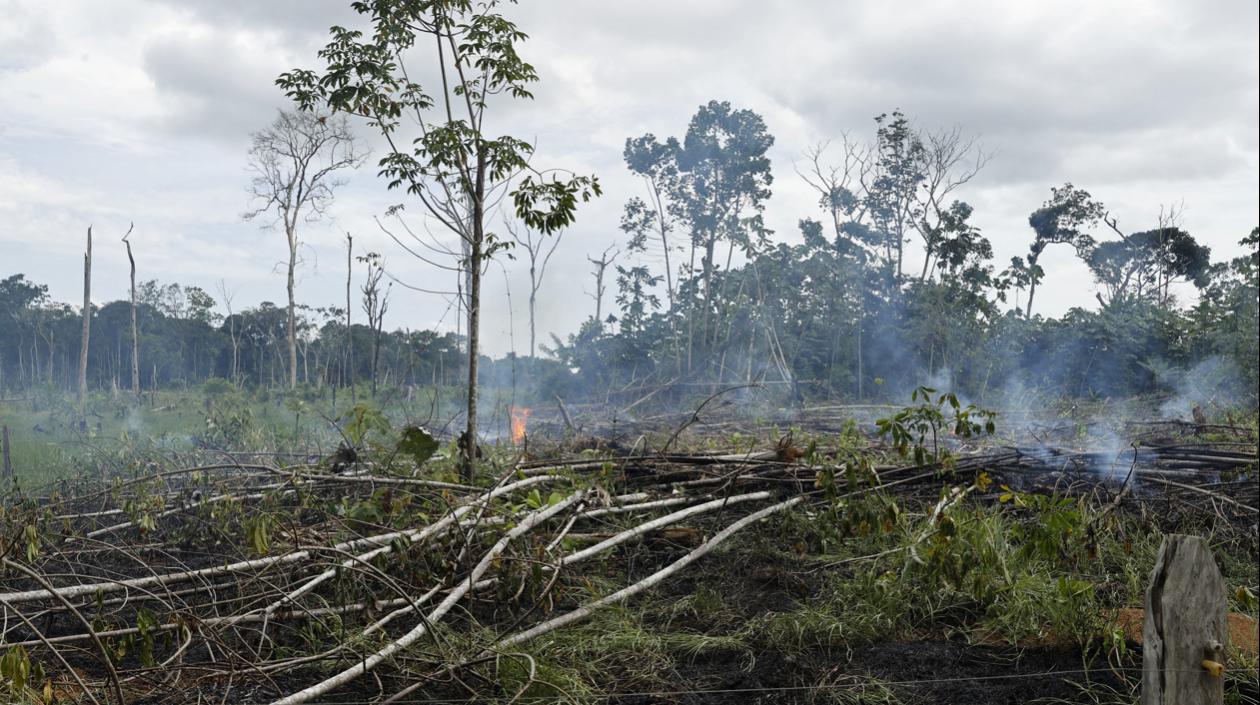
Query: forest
[823, 319]
[865, 461]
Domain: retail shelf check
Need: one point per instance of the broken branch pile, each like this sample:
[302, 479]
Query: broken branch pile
[290, 584]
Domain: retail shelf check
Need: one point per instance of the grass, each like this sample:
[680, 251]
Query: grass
[994, 580]
[51, 440]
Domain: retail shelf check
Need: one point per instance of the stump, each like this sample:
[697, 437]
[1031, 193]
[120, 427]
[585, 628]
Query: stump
[1185, 630]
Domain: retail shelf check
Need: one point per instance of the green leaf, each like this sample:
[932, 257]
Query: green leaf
[418, 443]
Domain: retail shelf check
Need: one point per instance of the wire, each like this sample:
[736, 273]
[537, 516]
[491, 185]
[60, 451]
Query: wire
[765, 689]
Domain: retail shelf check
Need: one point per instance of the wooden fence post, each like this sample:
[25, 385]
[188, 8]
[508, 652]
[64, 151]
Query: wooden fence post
[1185, 634]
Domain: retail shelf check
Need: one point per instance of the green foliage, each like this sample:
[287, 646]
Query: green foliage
[1057, 529]
[363, 75]
[535, 500]
[1145, 264]
[258, 530]
[909, 429]
[418, 444]
[362, 422]
[148, 627]
[215, 387]
[18, 673]
[230, 426]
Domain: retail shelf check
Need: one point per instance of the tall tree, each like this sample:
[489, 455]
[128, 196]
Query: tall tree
[349, 330]
[716, 181]
[375, 304]
[135, 330]
[842, 187]
[1145, 264]
[644, 219]
[450, 164]
[230, 323]
[949, 161]
[1064, 218]
[294, 162]
[896, 178]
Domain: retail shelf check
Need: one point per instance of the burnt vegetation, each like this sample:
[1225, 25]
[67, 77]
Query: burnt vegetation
[851, 464]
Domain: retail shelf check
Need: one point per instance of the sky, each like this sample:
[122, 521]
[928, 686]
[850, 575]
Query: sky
[141, 111]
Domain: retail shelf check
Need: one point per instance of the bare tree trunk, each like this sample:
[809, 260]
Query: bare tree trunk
[707, 264]
[533, 296]
[236, 344]
[599, 294]
[1032, 289]
[601, 267]
[349, 335]
[87, 318]
[691, 304]
[292, 322]
[469, 469]
[669, 273]
[135, 331]
[861, 320]
[375, 303]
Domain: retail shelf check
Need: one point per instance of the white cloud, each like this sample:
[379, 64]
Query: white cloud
[140, 110]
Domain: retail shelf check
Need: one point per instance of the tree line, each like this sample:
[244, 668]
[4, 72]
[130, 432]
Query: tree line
[706, 294]
[185, 340]
[703, 294]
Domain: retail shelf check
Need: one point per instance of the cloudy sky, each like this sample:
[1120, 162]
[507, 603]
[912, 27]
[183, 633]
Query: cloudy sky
[140, 110]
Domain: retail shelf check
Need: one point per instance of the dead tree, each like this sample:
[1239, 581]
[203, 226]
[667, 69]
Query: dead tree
[135, 330]
[232, 334]
[948, 161]
[87, 318]
[293, 162]
[600, 267]
[349, 332]
[841, 187]
[539, 255]
[375, 303]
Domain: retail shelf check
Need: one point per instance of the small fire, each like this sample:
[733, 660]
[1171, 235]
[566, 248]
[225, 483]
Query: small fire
[519, 418]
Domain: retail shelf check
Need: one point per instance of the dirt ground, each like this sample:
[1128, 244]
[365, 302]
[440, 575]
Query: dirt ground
[923, 672]
[1244, 632]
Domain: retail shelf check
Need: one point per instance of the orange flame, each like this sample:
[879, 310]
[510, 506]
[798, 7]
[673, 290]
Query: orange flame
[519, 418]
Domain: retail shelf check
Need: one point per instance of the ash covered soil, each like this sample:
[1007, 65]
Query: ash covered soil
[923, 668]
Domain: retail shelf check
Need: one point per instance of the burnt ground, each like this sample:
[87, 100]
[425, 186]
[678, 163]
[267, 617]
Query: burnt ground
[925, 672]
[922, 668]
[769, 571]
[916, 669]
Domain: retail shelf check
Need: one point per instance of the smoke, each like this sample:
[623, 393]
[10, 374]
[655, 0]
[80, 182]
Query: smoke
[1112, 457]
[942, 380]
[1212, 383]
[135, 424]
